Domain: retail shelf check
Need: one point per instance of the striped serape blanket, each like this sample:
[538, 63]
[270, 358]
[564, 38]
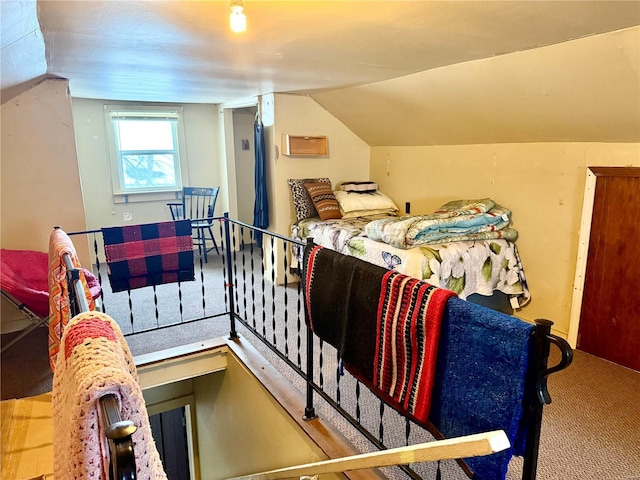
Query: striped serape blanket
[385, 325]
[151, 254]
[408, 331]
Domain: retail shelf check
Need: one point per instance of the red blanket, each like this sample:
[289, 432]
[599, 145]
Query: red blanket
[151, 254]
[408, 330]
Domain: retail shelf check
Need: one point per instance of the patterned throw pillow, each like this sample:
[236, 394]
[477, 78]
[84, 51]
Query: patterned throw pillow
[301, 200]
[324, 200]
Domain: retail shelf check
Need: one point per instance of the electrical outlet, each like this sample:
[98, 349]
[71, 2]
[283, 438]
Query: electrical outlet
[127, 216]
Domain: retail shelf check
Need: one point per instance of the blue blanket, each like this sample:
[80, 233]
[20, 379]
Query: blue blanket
[460, 220]
[483, 358]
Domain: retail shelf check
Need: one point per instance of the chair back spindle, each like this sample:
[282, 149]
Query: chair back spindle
[198, 205]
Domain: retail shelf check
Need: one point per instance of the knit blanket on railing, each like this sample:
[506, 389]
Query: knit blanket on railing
[150, 254]
[59, 306]
[95, 360]
[385, 325]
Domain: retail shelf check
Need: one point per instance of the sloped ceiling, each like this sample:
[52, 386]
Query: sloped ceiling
[587, 90]
[395, 72]
[22, 58]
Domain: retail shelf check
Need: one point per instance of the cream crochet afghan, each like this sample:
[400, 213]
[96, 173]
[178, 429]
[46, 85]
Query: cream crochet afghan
[94, 359]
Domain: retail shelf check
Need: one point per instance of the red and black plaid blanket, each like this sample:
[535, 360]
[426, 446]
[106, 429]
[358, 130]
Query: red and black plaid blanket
[385, 325]
[150, 254]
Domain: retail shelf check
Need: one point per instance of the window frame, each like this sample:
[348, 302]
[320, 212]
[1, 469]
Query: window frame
[141, 112]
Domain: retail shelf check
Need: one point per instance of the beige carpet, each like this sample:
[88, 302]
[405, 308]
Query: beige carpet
[591, 430]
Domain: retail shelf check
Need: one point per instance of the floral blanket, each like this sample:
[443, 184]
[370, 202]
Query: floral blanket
[466, 267]
[455, 221]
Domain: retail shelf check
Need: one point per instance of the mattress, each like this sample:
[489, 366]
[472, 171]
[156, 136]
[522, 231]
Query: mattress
[475, 267]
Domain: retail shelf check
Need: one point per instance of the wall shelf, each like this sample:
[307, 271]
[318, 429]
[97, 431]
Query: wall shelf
[304, 145]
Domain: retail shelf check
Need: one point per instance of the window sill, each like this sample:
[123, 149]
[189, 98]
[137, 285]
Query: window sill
[125, 198]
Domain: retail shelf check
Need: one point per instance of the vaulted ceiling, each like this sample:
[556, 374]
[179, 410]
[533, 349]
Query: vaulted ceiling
[396, 72]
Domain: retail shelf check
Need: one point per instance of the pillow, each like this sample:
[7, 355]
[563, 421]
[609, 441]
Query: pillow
[301, 200]
[361, 187]
[386, 212]
[351, 201]
[324, 200]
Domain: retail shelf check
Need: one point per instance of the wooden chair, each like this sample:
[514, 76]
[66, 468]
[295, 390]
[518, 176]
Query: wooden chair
[198, 205]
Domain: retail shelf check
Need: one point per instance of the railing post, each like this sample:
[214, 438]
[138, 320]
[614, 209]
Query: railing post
[534, 406]
[233, 334]
[309, 410]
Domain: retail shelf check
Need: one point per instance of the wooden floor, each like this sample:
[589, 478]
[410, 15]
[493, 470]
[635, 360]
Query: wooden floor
[27, 438]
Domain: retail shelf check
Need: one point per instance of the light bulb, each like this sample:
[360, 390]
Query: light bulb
[237, 19]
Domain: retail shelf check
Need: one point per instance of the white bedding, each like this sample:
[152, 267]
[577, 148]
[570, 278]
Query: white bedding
[466, 267]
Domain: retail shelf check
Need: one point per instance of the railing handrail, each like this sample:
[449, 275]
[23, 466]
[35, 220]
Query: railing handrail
[224, 218]
[452, 448]
[122, 462]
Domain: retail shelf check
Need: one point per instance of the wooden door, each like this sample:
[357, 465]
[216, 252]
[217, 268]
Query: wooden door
[610, 315]
[170, 435]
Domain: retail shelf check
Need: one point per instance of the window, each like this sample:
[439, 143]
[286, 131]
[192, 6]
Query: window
[146, 145]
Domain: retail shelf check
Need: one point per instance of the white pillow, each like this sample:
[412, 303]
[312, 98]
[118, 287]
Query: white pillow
[351, 201]
[383, 212]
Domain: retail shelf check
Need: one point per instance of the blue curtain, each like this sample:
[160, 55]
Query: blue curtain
[261, 205]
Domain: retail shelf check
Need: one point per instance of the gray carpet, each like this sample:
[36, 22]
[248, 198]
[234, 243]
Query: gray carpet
[591, 430]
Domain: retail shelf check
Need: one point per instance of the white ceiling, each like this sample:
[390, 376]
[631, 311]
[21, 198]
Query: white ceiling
[183, 51]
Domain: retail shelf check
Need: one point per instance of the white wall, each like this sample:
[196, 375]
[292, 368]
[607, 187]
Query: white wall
[239, 426]
[348, 157]
[204, 165]
[543, 185]
[583, 90]
[40, 179]
[243, 120]
[242, 429]
[40, 182]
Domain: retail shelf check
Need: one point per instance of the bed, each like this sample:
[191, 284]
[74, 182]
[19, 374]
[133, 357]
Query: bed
[467, 246]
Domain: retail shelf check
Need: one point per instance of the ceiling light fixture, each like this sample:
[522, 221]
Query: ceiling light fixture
[237, 19]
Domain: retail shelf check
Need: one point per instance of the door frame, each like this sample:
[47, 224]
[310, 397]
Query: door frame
[189, 404]
[584, 237]
[228, 135]
[583, 253]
